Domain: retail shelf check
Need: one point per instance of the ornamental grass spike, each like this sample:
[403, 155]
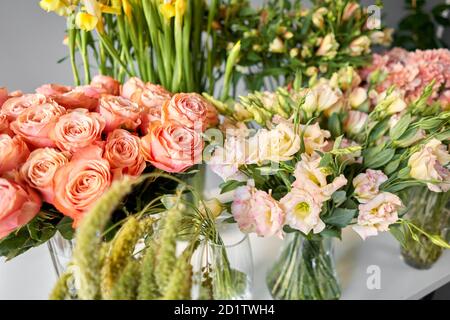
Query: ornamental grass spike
[127, 284]
[179, 286]
[148, 289]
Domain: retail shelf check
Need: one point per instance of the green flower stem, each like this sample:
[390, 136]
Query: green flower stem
[72, 48]
[229, 67]
[196, 40]
[187, 61]
[177, 84]
[108, 45]
[210, 37]
[84, 55]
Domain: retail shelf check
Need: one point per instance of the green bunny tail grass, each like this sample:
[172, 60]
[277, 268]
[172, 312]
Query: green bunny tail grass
[61, 289]
[127, 284]
[179, 285]
[88, 239]
[166, 256]
[148, 289]
[122, 248]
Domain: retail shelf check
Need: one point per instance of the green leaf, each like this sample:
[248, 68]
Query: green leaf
[326, 160]
[391, 167]
[379, 130]
[339, 197]
[380, 159]
[231, 185]
[334, 125]
[437, 240]
[340, 217]
[398, 231]
[331, 232]
[397, 131]
[65, 228]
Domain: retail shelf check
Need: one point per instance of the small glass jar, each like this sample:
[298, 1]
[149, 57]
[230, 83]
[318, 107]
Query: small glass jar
[60, 252]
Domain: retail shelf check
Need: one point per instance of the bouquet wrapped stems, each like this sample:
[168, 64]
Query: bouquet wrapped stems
[428, 211]
[304, 271]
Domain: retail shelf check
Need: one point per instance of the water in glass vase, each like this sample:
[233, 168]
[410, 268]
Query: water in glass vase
[427, 210]
[305, 270]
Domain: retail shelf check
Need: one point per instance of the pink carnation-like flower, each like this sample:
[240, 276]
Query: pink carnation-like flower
[35, 123]
[81, 182]
[14, 106]
[13, 152]
[256, 211]
[78, 129]
[119, 112]
[18, 206]
[40, 168]
[377, 214]
[122, 150]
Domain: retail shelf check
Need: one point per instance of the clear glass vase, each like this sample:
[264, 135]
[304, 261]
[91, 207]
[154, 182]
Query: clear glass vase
[428, 211]
[305, 270]
[225, 270]
[60, 252]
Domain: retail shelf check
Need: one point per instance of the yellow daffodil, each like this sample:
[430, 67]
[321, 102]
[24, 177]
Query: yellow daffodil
[167, 10]
[86, 21]
[60, 7]
[180, 7]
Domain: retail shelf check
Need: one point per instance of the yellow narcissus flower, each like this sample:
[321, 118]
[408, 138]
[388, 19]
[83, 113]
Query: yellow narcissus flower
[86, 21]
[167, 10]
[277, 46]
[180, 7]
[60, 7]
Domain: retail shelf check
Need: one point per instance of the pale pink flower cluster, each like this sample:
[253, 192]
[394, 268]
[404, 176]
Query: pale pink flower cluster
[410, 72]
[378, 209]
[64, 145]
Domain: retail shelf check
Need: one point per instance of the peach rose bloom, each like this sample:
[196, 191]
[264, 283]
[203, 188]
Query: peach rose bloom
[71, 98]
[107, 84]
[78, 129]
[172, 147]
[119, 112]
[147, 95]
[3, 95]
[18, 206]
[35, 123]
[40, 168]
[189, 109]
[81, 182]
[4, 125]
[122, 150]
[14, 106]
[13, 152]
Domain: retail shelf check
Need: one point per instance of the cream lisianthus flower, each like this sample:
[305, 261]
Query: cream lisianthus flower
[357, 97]
[391, 103]
[359, 46]
[276, 145]
[321, 98]
[302, 211]
[314, 138]
[367, 184]
[313, 178]
[377, 214]
[428, 165]
[328, 46]
[355, 122]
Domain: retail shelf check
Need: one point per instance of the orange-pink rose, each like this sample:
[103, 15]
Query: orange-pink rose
[190, 110]
[35, 123]
[81, 182]
[78, 129]
[40, 168]
[17, 206]
[71, 98]
[13, 152]
[14, 106]
[122, 150]
[107, 84]
[3, 95]
[119, 112]
[171, 146]
[4, 125]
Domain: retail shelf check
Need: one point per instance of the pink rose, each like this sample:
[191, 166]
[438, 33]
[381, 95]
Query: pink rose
[189, 109]
[256, 211]
[4, 125]
[172, 147]
[16, 105]
[107, 84]
[18, 206]
[35, 123]
[119, 112]
[377, 214]
[122, 150]
[78, 129]
[145, 94]
[40, 168]
[13, 152]
[132, 89]
[81, 182]
[3, 95]
[71, 98]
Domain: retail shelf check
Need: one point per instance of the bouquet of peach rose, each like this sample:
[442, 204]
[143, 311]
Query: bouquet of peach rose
[290, 176]
[61, 148]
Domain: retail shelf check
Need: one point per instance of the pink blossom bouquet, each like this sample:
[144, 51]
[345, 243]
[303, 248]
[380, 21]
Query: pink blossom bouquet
[61, 148]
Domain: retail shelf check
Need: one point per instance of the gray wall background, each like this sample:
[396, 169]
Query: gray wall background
[30, 46]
